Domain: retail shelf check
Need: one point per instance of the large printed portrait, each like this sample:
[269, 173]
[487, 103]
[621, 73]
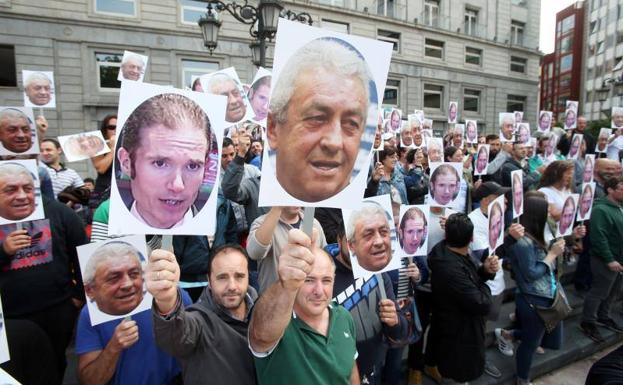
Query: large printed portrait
[166, 160]
[18, 134]
[545, 121]
[20, 192]
[413, 229]
[112, 272]
[567, 216]
[445, 184]
[39, 89]
[323, 114]
[226, 83]
[133, 67]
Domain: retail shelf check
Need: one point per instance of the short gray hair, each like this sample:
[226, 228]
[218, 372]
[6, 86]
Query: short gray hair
[10, 169]
[135, 57]
[369, 209]
[330, 54]
[36, 76]
[13, 113]
[108, 251]
[219, 78]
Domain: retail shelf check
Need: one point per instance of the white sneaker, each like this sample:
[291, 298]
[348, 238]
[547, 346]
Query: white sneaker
[505, 346]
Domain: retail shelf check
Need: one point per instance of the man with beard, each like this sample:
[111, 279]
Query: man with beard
[565, 140]
[209, 338]
[375, 318]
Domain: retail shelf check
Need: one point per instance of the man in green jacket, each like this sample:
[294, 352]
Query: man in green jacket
[606, 260]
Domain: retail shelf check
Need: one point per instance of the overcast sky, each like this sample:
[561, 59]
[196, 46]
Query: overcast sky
[549, 8]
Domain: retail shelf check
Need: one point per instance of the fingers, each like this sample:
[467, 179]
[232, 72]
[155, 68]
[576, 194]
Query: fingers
[298, 237]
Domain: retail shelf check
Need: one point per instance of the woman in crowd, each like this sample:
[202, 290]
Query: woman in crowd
[557, 183]
[534, 267]
[103, 163]
[392, 181]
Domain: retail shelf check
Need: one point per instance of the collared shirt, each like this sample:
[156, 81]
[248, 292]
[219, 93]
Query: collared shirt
[63, 178]
[187, 217]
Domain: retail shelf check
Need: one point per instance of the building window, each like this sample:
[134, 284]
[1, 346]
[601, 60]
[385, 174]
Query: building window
[392, 92]
[473, 56]
[565, 81]
[191, 11]
[431, 13]
[8, 74]
[116, 7]
[471, 20]
[471, 100]
[518, 64]
[335, 26]
[566, 43]
[566, 62]
[433, 48]
[594, 26]
[385, 8]
[517, 29]
[515, 103]
[335, 3]
[191, 69]
[390, 37]
[108, 65]
[433, 95]
[550, 70]
[567, 24]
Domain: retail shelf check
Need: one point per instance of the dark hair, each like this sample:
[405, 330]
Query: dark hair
[387, 151]
[53, 141]
[554, 172]
[612, 183]
[491, 137]
[449, 152]
[411, 155]
[263, 81]
[170, 110]
[196, 83]
[224, 249]
[534, 220]
[89, 180]
[459, 230]
[105, 124]
[227, 142]
[402, 150]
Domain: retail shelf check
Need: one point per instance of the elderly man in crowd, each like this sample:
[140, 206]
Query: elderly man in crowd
[119, 351]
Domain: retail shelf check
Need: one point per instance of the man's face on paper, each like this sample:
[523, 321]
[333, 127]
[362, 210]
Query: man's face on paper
[372, 243]
[39, 92]
[318, 143]
[117, 287]
[169, 167]
[15, 133]
[17, 196]
[236, 109]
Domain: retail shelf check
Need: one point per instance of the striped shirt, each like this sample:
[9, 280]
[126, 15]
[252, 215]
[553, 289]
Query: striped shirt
[63, 178]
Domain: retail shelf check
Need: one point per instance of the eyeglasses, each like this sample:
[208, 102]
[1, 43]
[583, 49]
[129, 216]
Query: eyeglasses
[111, 127]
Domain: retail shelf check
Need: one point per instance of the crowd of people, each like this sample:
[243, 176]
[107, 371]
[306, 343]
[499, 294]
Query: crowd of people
[262, 301]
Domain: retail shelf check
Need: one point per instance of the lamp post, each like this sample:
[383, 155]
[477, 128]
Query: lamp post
[262, 21]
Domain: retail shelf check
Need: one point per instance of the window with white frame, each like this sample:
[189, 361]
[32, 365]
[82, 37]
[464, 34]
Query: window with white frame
[431, 13]
[108, 66]
[471, 20]
[391, 95]
[518, 64]
[515, 103]
[433, 96]
[473, 56]
[335, 26]
[566, 62]
[335, 3]
[433, 48]
[390, 37]
[517, 32]
[191, 11]
[126, 8]
[385, 8]
[471, 100]
[191, 69]
[567, 24]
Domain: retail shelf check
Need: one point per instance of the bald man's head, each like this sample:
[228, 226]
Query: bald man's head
[606, 168]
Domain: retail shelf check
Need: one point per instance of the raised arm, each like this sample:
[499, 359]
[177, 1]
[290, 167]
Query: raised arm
[273, 311]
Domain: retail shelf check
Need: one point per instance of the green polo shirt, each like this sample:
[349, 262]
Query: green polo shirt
[305, 357]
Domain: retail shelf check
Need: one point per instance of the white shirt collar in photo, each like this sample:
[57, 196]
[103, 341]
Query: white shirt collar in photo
[137, 215]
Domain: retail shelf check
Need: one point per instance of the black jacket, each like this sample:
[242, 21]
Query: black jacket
[461, 300]
[39, 281]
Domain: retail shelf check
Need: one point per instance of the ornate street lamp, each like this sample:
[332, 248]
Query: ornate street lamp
[262, 21]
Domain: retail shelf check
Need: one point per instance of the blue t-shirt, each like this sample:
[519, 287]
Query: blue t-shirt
[142, 363]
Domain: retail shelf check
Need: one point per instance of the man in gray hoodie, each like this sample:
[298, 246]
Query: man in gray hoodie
[209, 338]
